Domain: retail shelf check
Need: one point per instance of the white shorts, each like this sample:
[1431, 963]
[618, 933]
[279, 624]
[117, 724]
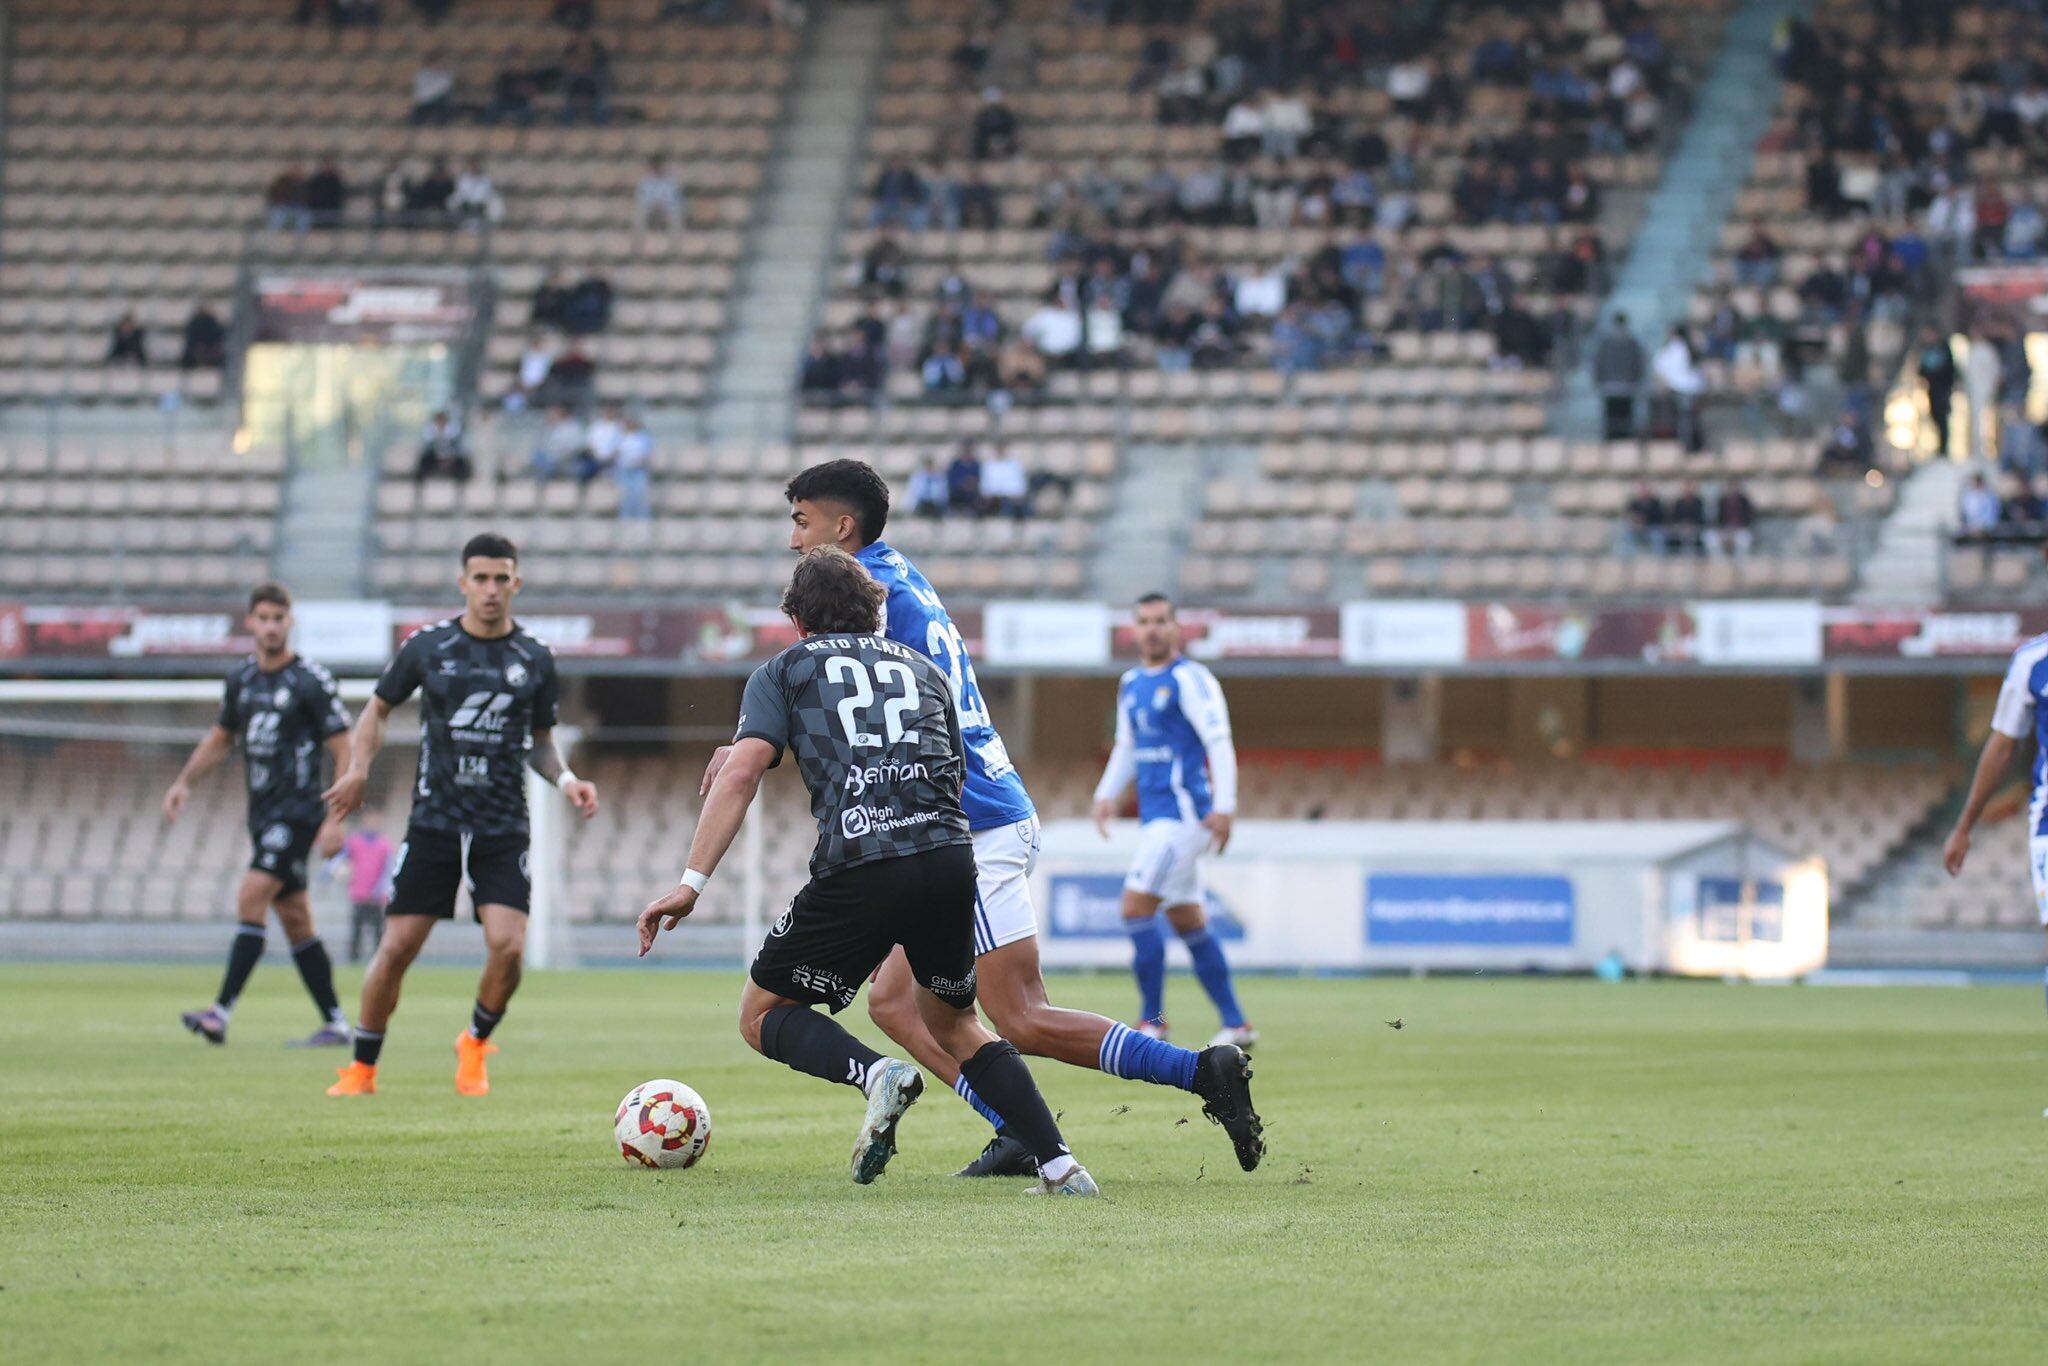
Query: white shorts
[2037, 859]
[1004, 856]
[1169, 862]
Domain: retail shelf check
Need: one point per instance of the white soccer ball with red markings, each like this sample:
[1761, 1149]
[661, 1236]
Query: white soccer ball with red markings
[663, 1124]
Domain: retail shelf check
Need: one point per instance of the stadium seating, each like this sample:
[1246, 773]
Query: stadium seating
[134, 515]
[137, 155]
[93, 844]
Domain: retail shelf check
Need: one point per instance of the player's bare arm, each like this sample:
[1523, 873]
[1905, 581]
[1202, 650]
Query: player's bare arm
[328, 841]
[216, 746]
[739, 779]
[1218, 824]
[718, 758]
[364, 742]
[1993, 763]
[546, 760]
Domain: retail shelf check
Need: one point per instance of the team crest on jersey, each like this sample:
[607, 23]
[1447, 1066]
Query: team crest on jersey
[278, 836]
[515, 673]
[1161, 695]
[283, 699]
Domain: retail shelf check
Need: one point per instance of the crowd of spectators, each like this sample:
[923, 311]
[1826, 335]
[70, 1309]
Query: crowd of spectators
[406, 194]
[203, 344]
[983, 479]
[612, 445]
[573, 86]
[1689, 523]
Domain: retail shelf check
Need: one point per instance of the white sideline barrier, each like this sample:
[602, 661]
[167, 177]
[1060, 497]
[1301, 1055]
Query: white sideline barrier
[1696, 898]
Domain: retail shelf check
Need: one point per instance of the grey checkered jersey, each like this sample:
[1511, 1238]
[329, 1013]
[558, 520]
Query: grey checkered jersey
[281, 720]
[877, 743]
[480, 703]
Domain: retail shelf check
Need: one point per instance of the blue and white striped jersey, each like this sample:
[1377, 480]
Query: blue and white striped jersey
[992, 794]
[2019, 713]
[1173, 738]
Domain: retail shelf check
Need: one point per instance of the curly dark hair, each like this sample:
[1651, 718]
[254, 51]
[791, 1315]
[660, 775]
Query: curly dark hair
[832, 592]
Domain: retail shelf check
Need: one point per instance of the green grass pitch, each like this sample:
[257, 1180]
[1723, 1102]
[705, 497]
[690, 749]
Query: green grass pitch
[1527, 1170]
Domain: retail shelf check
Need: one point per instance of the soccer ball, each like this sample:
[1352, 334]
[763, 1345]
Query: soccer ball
[664, 1124]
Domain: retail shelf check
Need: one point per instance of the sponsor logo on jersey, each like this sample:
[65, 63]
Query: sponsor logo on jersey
[856, 821]
[827, 984]
[859, 780]
[481, 716]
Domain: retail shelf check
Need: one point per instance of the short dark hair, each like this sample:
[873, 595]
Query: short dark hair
[851, 482]
[271, 591]
[1151, 598]
[491, 546]
[831, 591]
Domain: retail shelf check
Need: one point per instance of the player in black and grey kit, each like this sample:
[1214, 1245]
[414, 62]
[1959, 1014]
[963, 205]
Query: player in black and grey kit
[282, 710]
[877, 742]
[488, 696]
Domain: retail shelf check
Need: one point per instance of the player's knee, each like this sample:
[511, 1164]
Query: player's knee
[751, 1015]
[1186, 919]
[297, 922]
[507, 944]
[892, 1012]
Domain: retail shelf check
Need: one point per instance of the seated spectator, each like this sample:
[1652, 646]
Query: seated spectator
[1004, 489]
[442, 455]
[902, 199]
[535, 362]
[206, 341]
[284, 202]
[963, 482]
[2020, 509]
[426, 199]
[512, 92]
[2024, 231]
[563, 447]
[1849, 448]
[1242, 126]
[1756, 260]
[928, 495]
[387, 196]
[1687, 523]
[588, 307]
[994, 133]
[972, 204]
[633, 470]
[326, 195]
[944, 373]
[603, 436]
[882, 267]
[821, 373]
[1645, 514]
[1285, 124]
[1020, 369]
[128, 344]
[573, 375]
[550, 300]
[1734, 521]
[476, 201]
[433, 91]
[659, 200]
[586, 81]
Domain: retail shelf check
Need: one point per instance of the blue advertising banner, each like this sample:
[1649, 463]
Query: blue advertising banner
[1469, 908]
[1090, 906]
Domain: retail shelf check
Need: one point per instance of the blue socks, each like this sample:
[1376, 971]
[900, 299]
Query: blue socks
[1148, 962]
[1128, 1054]
[1214, 975]
[981, 1107]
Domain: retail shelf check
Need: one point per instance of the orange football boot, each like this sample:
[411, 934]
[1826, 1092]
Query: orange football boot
[470, 1052]
[357, 1079]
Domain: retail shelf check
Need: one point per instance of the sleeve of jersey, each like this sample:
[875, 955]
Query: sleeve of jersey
[1201, 702]
[764, 711]
[547, 698]
[323, 700]
[2014, 714]
[226, 720]
[402, 675]
[1122, 767]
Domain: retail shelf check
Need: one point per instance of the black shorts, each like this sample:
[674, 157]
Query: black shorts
[282, 849]
[839, 929]
[431, 864]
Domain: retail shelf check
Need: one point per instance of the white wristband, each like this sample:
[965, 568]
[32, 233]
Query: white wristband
[568, 775]
[695, 880]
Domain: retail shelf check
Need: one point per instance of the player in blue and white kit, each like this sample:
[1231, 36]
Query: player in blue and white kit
[1173, 740]
[845, 503]
[2018, 714]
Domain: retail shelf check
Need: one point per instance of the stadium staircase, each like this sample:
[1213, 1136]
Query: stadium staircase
[323, 531]
[1905, 568]
[1158, 497]
[782, 283]
[1673, 250]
